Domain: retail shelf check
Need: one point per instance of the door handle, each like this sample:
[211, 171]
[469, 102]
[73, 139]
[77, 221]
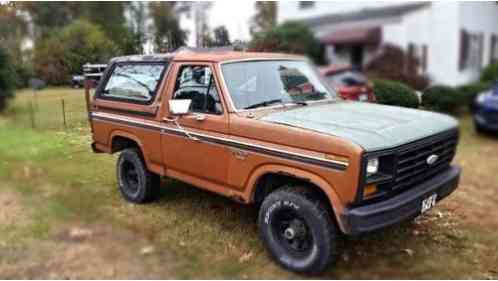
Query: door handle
[198, 117]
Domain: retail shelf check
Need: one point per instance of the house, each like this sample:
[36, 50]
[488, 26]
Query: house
[452, 41]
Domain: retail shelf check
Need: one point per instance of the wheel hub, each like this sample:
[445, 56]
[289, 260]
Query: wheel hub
[289, 233]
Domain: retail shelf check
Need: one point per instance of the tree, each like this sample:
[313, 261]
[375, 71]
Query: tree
[64, 52]
[110, 17]
[6, 78]
[289, 37]
[47, 16]
[138, 17]
[167, 32]
[221, 36]
[13, 31]
[265, 18]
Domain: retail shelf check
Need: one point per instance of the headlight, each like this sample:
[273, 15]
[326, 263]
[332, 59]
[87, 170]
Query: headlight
[372, 166]
[482, 97]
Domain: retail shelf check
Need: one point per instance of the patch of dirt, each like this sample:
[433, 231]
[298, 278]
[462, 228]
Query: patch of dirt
[11, 210]
[91, 252]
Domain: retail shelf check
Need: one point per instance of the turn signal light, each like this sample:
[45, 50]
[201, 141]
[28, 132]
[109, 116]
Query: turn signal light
[369, 190]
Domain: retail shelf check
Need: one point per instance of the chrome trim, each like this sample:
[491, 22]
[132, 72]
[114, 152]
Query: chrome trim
[340, 165]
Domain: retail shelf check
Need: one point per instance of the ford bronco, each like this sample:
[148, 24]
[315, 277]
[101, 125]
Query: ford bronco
[265, 129]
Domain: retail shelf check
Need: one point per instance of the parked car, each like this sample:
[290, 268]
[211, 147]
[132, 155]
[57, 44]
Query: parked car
[486, 111]
[235, 123]
[351, 84]
[77, 81]
[92, 72]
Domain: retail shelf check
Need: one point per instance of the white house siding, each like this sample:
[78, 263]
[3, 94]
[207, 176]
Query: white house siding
[436, 26]
[289, 10]
[478, 18]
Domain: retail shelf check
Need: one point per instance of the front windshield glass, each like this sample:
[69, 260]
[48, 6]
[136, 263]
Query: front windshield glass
[255, 84]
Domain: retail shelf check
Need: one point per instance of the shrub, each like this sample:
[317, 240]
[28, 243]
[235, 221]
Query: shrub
[289, 37]
[490, 73]
[63, 53]
[470, 91]
[393, 64]
[395, 93]
[443, 99]
[7, 79]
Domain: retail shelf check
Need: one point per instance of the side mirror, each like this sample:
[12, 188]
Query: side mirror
[179, 107]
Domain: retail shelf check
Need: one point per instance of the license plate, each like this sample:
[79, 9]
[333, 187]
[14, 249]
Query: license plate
[363, 97]
[428, 203]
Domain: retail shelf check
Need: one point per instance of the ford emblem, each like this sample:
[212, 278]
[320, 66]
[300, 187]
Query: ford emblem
[432, 159]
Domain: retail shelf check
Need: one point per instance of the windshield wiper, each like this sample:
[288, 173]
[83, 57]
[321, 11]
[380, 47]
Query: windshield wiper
[265, 103]
[303, 103]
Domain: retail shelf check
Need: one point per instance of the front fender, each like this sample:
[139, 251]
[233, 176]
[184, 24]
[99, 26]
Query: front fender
[327, 188]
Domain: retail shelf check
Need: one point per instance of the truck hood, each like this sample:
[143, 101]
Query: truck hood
[371, 126]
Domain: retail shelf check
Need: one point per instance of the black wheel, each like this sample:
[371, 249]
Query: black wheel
[298, 230]
[136, 184]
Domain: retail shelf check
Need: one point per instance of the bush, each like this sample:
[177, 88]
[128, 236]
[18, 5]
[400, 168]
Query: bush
[7, 79]
[63, 54]
[393, 64]
[490, 73]
[470, 91]
[443, 99]
[394, 93]
[289, 37]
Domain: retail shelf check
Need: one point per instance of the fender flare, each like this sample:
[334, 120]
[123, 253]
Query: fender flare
[334, 199]
[124, 134]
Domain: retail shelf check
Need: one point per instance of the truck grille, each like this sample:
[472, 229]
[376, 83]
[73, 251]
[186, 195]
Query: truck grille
[411, 167]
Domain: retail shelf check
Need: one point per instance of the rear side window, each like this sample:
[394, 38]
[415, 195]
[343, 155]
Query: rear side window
[134, 82]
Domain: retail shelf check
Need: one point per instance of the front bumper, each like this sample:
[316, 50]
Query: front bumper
[485, 124]
[401, 207]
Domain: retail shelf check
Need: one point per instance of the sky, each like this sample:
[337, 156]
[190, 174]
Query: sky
[234, 15]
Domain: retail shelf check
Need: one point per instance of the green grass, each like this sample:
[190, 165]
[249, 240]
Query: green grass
[61, 183]
[44, 109]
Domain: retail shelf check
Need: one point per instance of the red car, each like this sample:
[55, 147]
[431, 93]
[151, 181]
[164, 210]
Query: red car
[349, 83]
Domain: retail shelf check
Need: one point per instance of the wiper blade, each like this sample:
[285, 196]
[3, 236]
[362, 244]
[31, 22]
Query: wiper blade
[265, 103]
[303, 103]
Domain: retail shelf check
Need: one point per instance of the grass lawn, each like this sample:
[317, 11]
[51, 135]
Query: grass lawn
[61, 216]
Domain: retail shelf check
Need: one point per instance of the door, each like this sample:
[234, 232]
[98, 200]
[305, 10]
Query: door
[357, 56]
[194, 149]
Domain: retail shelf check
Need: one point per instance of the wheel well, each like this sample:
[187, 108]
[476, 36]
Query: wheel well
[120, 143]
[272, 181]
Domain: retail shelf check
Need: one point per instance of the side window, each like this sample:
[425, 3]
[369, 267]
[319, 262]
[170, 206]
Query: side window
[134, 82]
[196, 82]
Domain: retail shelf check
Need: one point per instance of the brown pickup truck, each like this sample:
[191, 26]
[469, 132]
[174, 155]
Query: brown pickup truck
[265, 129]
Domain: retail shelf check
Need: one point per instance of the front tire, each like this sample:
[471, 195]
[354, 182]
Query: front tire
[135, 182]
[297, 229]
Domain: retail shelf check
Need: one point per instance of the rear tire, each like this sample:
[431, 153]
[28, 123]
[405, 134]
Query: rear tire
[135, 182]
[297, 228]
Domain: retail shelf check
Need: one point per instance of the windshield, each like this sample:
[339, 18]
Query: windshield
[262, 83]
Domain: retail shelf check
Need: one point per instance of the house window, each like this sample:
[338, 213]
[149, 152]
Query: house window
[471, 50]
[417, 58]
[493, 51]
[306, 4]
